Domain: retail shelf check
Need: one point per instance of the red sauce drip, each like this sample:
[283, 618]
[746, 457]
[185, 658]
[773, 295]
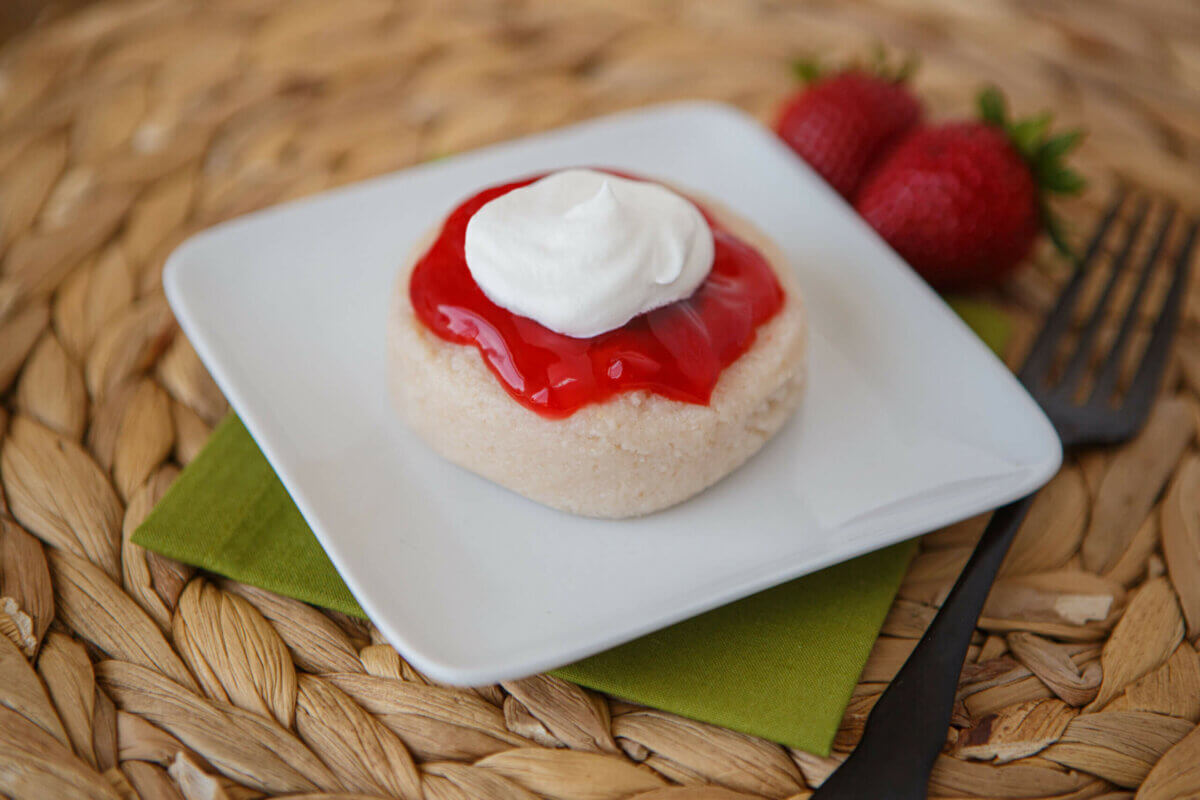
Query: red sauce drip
[677, 351]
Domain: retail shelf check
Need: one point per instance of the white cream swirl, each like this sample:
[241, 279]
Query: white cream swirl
[583, 252]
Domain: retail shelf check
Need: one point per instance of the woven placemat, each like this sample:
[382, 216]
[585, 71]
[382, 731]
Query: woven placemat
[129, 125]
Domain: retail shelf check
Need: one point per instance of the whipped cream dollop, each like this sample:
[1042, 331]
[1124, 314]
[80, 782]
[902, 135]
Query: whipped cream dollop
[583, 252]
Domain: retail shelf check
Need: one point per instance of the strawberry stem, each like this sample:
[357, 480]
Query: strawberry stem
[1045, 155]
[809, 69]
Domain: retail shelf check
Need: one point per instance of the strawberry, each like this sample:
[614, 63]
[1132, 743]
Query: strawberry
[963, 202]
[842, 123]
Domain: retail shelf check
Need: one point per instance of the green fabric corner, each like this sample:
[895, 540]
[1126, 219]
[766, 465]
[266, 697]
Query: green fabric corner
[229, 513]
[989, 323]
[781, 664]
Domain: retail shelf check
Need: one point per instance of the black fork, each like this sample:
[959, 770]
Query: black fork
[907, 727]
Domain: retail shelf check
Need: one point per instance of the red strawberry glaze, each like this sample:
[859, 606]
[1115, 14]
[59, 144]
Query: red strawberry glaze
[677, 351]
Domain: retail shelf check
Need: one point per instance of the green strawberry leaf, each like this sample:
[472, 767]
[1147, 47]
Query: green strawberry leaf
[908, 68]
[1063, 180]
[1027, 135]
[991, 107]
[877, 63]
[880, 64]
[807, 70]
[1059, 145]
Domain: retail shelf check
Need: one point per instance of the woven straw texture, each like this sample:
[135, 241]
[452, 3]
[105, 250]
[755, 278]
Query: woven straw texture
[129, 125]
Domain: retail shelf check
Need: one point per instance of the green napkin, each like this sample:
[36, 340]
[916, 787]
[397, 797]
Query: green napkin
[780, 664]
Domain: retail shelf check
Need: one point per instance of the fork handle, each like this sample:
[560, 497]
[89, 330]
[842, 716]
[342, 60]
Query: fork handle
[907, 727]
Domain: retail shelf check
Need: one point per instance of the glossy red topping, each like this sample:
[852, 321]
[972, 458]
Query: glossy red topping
[677, 351]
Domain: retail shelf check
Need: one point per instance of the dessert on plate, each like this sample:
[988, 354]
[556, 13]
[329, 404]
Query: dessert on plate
[597, 342]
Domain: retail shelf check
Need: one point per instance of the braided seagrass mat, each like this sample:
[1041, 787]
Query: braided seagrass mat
[129, 125]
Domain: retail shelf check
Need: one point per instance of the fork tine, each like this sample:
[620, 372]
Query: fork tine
[1106, 381]
[1041, 354]
[1145, 381]
[1078, 362]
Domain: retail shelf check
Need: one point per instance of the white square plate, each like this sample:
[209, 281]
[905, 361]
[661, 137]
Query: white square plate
[909, 422]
